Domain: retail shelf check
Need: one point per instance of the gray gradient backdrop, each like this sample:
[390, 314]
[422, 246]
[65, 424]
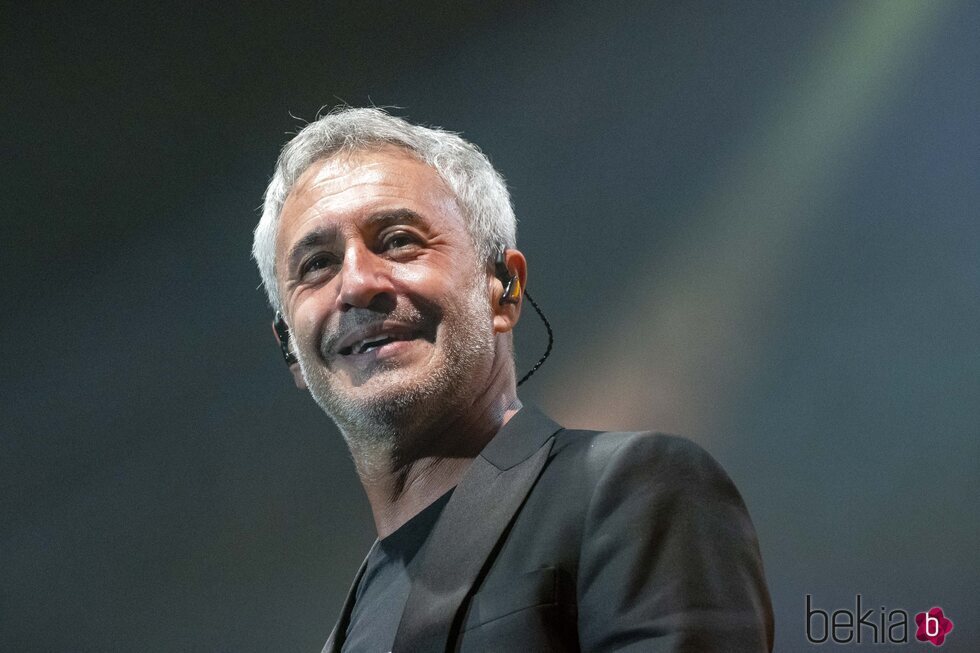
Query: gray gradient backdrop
[754, 224]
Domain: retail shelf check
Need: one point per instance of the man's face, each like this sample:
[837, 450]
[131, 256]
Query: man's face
[388, 305]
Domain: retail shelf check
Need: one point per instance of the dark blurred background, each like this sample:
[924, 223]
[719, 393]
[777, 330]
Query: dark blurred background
[754, 224]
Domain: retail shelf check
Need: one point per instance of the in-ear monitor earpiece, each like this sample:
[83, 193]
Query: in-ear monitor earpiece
[282, 333]
[512, 283]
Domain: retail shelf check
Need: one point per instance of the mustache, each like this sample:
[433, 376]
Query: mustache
[357, 318]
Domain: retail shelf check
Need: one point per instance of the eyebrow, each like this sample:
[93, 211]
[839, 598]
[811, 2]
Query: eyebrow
[321, 235]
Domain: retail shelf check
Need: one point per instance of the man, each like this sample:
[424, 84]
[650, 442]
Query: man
[388, 251]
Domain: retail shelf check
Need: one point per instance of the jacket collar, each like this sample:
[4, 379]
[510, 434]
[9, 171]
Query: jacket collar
[519, 438]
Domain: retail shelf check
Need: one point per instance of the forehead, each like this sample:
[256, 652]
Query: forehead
[341, 190]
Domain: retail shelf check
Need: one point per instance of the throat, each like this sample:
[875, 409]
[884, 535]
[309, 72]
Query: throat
[407, 493]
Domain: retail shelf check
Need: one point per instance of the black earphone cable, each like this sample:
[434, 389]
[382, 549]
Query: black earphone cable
[551, 339]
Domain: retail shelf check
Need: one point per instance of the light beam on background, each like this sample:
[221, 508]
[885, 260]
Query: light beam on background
[684, 333]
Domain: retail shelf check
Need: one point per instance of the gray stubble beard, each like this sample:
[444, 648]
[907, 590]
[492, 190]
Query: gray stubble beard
[377, 427]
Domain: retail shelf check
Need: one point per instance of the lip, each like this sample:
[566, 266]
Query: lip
[397, 330]
[392, 348]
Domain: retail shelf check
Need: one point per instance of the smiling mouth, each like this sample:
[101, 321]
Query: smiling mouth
[374, 342]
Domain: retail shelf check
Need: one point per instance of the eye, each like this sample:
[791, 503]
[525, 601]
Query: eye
[397, 240]
[317, 265]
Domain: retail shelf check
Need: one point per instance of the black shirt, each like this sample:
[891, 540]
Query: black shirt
[387, 580]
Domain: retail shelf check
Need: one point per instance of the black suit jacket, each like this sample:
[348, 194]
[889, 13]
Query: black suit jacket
[558, 540]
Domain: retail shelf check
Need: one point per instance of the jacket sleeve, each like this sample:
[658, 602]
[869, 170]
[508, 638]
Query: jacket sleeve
[669, 560]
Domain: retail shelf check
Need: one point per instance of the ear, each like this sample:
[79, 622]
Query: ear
[506, 314]
[293, 367]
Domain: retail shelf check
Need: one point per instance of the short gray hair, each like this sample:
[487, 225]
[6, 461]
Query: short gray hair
[479, 189]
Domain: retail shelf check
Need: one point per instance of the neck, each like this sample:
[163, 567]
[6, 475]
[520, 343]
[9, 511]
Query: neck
[426, 461]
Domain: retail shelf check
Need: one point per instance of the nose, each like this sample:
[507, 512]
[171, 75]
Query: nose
[365, 280]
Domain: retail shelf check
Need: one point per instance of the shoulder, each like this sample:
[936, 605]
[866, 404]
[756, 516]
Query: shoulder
[667, 550]
[630, 479]
[646, 455]
[606, 445]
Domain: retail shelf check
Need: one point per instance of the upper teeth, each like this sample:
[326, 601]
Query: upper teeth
[359, 347]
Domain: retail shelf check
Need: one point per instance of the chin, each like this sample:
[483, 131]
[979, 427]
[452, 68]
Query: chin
[391, 399]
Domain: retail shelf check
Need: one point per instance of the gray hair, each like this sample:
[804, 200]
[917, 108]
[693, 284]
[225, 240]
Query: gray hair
[479, 189]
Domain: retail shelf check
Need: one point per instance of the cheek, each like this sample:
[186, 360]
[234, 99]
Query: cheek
[469, 304]
[433, 287]
[311, 314]
[419, 275]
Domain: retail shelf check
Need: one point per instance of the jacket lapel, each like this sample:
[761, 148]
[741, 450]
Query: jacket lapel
[459, 549]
